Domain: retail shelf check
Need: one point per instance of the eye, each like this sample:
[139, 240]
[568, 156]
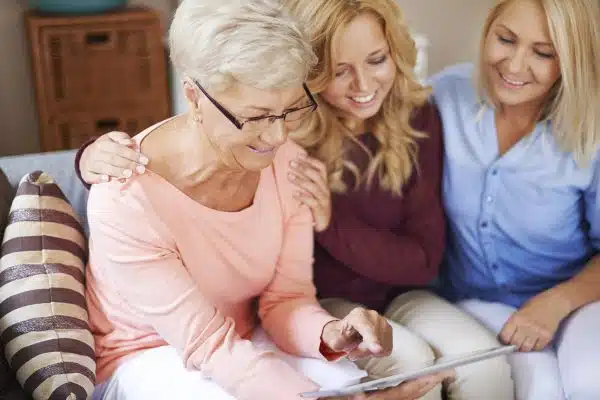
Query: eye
[544, 55]
[505, 40]
[340, 73]
[378, 60]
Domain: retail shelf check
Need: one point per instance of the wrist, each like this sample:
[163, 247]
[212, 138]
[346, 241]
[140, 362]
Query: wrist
[567, 297]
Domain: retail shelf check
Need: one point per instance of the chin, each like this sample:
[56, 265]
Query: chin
[363, 114]
[513, 99]
[257, 165]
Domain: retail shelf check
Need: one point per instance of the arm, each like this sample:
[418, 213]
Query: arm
[410, 254]
[535, 324]
[288, 307]
[78, 156]
[130, 246]
[584, 288]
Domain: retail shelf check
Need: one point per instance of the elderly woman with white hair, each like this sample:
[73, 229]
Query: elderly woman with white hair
[185, 259]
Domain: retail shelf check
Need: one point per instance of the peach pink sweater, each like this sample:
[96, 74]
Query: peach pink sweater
[163, 269]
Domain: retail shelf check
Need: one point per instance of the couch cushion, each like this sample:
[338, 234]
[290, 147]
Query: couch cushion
[60, 166]
[43, 317]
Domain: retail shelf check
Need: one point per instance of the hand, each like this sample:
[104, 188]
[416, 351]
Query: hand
[310, 177]
[361, 333]
[534, 325]
[410, 390]
[111, 156]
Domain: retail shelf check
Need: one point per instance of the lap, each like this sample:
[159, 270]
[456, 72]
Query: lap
[159, 373]
[446, 327]
[579, 353]
[536, 374]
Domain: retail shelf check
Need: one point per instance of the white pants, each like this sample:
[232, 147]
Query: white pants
[159, 374]
[425, 327]
[568, 370]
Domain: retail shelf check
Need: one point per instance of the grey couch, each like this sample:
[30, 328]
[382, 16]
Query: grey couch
[60, 166]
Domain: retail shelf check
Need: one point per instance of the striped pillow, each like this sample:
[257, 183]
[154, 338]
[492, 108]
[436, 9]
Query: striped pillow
[43, 316]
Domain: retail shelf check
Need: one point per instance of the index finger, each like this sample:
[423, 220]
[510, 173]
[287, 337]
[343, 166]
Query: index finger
[368, 334]
[508, 331]
[315, 163]
[125, 152]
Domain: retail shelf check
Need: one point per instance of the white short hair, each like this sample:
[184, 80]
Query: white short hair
[252, 42]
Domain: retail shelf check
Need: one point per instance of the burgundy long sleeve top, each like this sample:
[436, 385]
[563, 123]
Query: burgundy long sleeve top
[378, 244]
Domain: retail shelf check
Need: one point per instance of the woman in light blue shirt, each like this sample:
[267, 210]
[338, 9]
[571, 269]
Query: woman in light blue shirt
[521, 191]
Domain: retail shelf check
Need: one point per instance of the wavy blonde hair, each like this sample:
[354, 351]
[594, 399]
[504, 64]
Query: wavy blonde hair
[325, 136]
[573, 104]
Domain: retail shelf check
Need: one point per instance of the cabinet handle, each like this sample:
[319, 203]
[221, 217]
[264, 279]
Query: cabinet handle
[106, 125]
[97, 38]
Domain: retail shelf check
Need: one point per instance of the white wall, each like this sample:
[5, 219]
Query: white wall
[452, 27]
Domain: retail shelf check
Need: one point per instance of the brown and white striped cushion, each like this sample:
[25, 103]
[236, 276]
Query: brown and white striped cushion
[43, 316]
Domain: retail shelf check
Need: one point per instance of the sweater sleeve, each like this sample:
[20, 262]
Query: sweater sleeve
[78, 160]
[133, 251]
[409, 254]
[288, 307]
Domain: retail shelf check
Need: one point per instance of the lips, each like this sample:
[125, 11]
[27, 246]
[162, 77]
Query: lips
[517, 84]
[261, 150]
[363, 99]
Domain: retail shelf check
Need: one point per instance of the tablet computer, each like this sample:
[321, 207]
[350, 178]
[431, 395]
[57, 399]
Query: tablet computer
[395, 379]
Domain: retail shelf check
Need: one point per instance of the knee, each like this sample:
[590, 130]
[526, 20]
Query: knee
[582, 384]
[413, 352]
[409, 351]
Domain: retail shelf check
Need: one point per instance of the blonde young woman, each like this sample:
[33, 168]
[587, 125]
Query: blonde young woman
[521, 191]
[376, 144]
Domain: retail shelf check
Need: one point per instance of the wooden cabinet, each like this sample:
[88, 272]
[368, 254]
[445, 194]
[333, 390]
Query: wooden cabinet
[97, 73]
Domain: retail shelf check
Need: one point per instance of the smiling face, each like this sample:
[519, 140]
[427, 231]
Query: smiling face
[520, 62]
[364, 70]
[254, 146]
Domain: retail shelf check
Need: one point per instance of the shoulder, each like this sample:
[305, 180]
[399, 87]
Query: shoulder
[454, 82]
[426, 119]
[129, 208]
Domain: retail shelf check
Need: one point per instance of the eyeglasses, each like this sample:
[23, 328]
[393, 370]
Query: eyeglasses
[260, 123]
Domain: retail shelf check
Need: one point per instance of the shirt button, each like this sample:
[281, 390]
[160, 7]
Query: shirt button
[489, 200]
[484, 224]
[494, 266]
[495, 171]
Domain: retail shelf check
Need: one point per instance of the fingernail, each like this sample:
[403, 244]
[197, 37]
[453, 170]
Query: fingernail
[144, 160]
[104, 178]
[140, 169]
[294, 164]
[127, 173]
[291, 176]
[375, 348]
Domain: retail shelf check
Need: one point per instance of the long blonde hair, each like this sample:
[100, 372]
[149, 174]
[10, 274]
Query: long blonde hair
[325, 136]
[573, 104]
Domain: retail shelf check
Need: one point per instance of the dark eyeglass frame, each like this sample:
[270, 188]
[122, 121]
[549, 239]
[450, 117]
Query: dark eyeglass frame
[271, 118]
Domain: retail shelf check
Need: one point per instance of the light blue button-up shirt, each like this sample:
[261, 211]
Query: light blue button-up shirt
[520, 223]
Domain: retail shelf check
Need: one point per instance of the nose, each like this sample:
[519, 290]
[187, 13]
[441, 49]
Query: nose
[516, 63]
[275, 134]
[361, 80]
